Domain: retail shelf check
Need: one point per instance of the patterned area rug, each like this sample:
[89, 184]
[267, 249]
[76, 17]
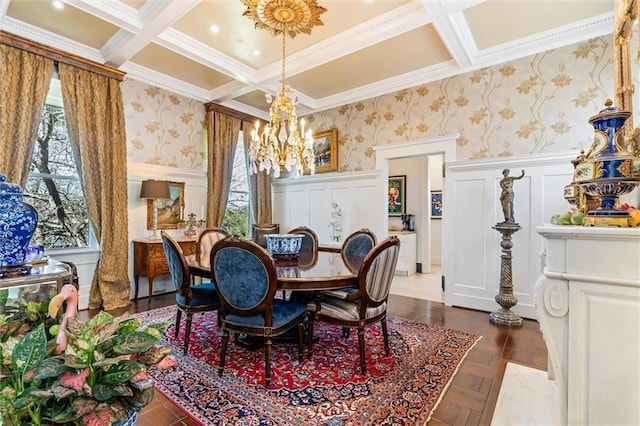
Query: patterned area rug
[401, 389]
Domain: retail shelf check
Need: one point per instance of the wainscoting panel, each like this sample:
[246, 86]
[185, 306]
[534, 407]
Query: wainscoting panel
[472, 257]
[355, 193]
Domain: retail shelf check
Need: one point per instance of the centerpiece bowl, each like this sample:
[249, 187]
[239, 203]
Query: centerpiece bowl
[284, 246]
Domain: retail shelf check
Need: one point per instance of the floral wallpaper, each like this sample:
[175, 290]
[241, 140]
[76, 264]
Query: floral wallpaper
[163, 128]
[527, 106]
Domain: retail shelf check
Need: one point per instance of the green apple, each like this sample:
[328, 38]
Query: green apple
[564, 219]
[577, 217]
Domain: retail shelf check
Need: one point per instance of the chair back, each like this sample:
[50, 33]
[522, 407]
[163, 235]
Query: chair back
[308, 255]
[245, 278]
[178, 268]
[310, 239]
[376, 274]
[356, 247]
[258, 232]
[206, 240]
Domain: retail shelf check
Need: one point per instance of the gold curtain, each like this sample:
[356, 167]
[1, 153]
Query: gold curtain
[24, 84]
[95, 117]
[222, 134]
[259, 185]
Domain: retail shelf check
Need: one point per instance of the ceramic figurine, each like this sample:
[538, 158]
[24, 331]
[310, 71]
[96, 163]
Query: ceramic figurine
[18, 221]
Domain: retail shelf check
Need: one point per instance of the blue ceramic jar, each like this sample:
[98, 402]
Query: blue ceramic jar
[608, 170]
[18, 221]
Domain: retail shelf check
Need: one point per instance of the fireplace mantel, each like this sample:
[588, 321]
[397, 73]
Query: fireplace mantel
[588, 305]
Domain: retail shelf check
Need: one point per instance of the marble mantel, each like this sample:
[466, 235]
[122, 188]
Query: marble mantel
[588, 305]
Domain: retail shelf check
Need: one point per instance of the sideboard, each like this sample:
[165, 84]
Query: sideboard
[407, 257]
[149, 260]
[588, 305]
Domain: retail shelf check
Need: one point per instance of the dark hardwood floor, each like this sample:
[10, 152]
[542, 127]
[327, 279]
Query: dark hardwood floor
[472, 395]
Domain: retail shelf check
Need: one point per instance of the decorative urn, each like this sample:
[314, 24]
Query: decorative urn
[607, 170]
[18, 221]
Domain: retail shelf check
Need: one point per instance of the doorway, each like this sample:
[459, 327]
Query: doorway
[445, 148]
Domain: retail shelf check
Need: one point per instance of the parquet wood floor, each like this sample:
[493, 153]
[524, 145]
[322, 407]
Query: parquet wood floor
[472, 395]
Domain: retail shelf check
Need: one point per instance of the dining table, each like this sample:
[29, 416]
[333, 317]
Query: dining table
[302, 276]
[322, 270]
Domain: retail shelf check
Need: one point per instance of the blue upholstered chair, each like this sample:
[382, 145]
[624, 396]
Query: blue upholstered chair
[308, 255]
[190, 299]
[368, 304]
[246, 281]
[356, 246]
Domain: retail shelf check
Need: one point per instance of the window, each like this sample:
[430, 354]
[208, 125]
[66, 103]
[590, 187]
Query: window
[54, 187]
[237, 216]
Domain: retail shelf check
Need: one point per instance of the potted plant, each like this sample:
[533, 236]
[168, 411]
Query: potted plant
[88, 373]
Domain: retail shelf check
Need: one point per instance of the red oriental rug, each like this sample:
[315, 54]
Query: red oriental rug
[401, 389]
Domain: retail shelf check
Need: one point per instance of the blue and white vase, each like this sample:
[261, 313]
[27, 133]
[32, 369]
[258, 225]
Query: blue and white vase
[608, 170]
[18, 221]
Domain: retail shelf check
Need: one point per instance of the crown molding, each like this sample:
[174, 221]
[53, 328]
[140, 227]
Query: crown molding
[163, 81]
[548, 40]
[199, 52]
[115, 12]
[390, 85]
[47, 38]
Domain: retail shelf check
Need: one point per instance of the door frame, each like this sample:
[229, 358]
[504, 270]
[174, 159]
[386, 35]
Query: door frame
[445, 145]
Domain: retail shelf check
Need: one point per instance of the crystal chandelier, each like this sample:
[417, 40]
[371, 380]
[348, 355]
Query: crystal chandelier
[282, 143]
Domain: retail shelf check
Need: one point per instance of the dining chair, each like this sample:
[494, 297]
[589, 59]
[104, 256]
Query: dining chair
[258, 232]
[246, 282]
[206, 240]
[308, 255]
[190, 299]
[356, 246]
[368, 304]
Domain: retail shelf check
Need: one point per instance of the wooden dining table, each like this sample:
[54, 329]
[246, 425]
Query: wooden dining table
[324, 271]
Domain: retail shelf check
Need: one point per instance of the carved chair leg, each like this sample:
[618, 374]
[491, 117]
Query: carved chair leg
[363, 367]
[385, 335]
[178, 319]
[310, 335]
[267, 363]
[187, 332]
[223, 350]
[300, 341]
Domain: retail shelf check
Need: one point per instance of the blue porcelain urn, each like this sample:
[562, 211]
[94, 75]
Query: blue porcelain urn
[608, 170]
[18, 221]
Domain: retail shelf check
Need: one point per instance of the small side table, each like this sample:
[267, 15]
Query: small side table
[149, 259]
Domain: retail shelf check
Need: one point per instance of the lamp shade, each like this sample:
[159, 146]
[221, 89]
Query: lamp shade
[155, 189]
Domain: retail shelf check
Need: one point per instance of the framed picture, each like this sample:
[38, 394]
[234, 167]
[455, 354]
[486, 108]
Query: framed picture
[436, 204]
[325, 149]
[171, 211]
[396, 192]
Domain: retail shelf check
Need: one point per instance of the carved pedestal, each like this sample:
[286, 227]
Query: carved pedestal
[505, 297]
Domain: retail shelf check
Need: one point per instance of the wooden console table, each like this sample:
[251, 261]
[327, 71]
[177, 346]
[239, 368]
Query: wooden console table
[149, 259]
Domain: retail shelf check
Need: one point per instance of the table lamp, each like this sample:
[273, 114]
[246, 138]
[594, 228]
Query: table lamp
[155, 190]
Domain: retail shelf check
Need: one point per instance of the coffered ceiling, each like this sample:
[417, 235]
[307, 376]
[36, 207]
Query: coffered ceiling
[364, 49]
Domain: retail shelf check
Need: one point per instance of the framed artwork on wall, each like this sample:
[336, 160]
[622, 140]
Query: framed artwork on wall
[396, 192]
[436, 204]
[325, 149]
[171, 211]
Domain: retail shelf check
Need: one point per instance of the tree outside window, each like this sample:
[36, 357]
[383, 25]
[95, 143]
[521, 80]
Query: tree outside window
[236, 216]
[54, 188]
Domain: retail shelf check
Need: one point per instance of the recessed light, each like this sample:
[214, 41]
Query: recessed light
[214, 29]
[58, 4]
[256, 52]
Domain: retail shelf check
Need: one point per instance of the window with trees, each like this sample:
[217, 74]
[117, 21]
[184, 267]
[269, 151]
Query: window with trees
[54, 187]
[237, 214]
